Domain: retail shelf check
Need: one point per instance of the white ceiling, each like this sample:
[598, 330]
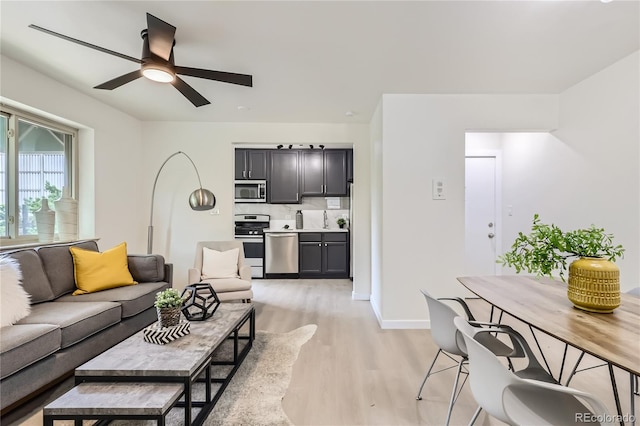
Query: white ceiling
[312, 61]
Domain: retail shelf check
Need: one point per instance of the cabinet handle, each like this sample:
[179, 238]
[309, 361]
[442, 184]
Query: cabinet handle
[249, 174]
[244, 173]
[319, 245]
[296, 196]
[325, 244]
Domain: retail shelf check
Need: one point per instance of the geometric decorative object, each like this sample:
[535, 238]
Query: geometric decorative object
[163, 335]
[200, 199]
[200, 301]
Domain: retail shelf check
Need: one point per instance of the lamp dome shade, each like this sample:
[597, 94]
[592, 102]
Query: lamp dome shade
[202, 199]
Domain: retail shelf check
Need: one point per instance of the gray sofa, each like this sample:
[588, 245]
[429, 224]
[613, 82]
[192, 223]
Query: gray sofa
[64, 331]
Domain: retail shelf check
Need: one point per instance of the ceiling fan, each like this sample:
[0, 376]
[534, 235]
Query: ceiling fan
[157, 62]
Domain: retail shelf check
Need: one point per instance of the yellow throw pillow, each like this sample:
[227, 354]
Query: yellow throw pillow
[95, 271]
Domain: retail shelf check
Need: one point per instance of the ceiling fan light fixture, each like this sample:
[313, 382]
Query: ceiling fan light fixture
[158, 73]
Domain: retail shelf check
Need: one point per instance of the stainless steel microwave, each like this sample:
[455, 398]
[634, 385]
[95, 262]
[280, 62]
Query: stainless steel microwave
[251, 191]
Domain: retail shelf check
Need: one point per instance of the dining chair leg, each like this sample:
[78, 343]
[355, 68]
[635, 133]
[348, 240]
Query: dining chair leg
[454, 390]
[419, 397]
[475, 416]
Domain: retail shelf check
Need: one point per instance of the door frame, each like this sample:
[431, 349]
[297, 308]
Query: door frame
[497, 154]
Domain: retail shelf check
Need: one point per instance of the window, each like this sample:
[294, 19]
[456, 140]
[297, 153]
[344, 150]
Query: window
[36, 162]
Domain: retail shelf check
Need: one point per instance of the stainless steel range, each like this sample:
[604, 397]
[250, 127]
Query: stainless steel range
[249, 228]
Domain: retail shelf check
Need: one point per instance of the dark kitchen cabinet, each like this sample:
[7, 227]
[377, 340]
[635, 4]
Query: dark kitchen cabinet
[323, 173]
[349, 165]
[251, 164]
[283, 181]
[312, 172]
[323, 255]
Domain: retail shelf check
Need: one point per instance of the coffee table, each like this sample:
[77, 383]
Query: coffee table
[181, 361]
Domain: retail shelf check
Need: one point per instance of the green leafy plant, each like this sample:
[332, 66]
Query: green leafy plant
[341, 222]
[169, 298]
[53, 194]
[547, 248]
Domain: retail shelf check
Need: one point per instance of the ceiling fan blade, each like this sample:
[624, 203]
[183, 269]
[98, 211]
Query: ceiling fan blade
[161, 36]
[226, 77]
[85, 44]
[189, 92]
[119, 81]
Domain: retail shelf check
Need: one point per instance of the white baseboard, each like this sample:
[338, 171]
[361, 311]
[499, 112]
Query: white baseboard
[399, 324]
[360, 296]
[405, 324]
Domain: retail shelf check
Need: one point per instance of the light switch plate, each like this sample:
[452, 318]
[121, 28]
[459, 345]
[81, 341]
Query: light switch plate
[438, 189]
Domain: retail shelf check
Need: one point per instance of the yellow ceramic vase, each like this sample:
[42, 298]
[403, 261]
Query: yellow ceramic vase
[594, 284]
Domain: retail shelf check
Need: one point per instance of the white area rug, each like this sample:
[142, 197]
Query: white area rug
[254, 396]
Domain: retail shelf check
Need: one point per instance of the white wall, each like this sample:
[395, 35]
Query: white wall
[600, 121]
[376, 179]
[109, 151]
[424, 137]
[590, 165]
[210, 145]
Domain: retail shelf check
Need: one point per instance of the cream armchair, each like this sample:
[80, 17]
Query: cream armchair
[238, 288]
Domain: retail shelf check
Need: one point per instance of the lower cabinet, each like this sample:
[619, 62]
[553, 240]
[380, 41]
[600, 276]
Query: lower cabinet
[323, 255]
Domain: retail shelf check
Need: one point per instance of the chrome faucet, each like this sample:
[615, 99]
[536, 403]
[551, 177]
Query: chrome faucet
[325, 223]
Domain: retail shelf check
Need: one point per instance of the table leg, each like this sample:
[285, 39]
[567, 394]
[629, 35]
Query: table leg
[615, 394]
[633, 383]
[540, 349]
[187, 401]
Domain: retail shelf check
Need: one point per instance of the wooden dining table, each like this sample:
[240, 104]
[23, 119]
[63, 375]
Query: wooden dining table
[542, 304]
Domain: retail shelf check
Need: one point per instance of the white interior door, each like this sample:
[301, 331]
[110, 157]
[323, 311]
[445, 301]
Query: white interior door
[481, 218]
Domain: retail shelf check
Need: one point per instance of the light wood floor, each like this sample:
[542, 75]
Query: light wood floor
[353, 373]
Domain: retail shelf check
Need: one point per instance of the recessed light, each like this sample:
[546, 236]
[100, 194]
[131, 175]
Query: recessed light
[349, 113]
[243, 108]
[606, 1]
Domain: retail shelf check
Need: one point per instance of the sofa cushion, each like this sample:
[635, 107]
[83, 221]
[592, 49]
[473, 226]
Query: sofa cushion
[34, 280]
[146, 268]
[223, 285]
[95, 271]
[22, 345]
[58, 265]
[76, 320]
[134, 299]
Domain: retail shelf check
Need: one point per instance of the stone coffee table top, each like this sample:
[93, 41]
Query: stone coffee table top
[105, 399]
[134, 357]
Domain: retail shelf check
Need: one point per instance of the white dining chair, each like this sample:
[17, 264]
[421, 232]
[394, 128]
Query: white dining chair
[522, 401]
[443, 332]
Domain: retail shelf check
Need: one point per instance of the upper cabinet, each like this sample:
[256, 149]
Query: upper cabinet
[349, 165]
[251, 164]
[283, 182]
[323, 172]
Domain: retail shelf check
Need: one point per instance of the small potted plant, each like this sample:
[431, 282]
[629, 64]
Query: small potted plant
[341, 222]
[594, 282]
[168, 305]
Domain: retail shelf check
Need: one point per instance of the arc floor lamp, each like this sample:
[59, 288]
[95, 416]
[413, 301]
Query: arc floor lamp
[200, 199]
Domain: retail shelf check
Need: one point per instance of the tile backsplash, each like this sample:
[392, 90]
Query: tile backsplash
[312, 208]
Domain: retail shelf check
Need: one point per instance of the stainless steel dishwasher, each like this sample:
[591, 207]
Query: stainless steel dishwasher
[281, 252]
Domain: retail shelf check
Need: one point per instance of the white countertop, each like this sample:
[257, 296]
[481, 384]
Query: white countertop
[269, 230]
